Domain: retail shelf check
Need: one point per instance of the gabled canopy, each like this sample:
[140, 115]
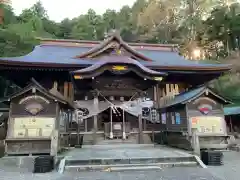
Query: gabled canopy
[35, 84]
[194, 94]
[125, 64]
[115, 43]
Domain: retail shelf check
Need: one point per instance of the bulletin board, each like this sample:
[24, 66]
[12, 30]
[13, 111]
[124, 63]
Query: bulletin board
[207, 124]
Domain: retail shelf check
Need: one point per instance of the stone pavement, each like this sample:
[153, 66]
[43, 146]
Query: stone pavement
[231, 168]
[122, 152]
[166, 174]
[229, 171]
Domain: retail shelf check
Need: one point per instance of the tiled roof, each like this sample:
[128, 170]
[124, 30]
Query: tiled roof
[51, 94]
[234, 110]
[192, 94]
[66, 55]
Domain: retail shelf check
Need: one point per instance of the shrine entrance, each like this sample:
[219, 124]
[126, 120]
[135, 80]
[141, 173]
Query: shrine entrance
[114, 85]
[118, 124]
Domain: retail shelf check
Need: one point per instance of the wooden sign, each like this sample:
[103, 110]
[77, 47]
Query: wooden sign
[117, 127]
[208, 124]
[77, 77]
[158, 78]
[194, 122]
[119, 68]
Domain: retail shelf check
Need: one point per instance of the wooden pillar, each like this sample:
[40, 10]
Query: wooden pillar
[85, 125]
[144, 124]
[124, 128]
[158, 96]
[65, 90]
[111, 124]
[177, 89]
[167, 89]
[140, 129]
[95, 119]
[55, 134]
[55, 85]
[195, 142]
[154, 93]
[231, 125]
[70, 91]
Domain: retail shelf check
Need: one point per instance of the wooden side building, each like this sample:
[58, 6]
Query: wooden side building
[200, 109]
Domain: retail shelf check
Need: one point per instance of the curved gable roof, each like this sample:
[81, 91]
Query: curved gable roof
[193, 94]
[56, 53]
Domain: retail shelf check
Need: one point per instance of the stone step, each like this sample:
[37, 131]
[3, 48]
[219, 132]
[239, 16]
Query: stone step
[117, 146]
[129, 167]
[74, 161]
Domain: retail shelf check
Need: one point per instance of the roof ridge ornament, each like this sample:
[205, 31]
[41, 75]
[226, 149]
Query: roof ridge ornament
[113, 41]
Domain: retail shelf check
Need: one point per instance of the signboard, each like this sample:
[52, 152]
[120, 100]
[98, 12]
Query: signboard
[117, 127]
[164, 118]
[208, 124]
[178, 118]
[28, 126]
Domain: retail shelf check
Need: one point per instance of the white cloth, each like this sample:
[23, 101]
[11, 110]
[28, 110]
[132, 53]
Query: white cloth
[132, 107]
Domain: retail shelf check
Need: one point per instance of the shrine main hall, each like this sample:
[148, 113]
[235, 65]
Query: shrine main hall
[83, 92]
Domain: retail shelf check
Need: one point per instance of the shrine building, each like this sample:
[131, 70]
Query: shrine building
[78, 92]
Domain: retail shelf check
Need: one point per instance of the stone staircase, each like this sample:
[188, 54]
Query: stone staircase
[112, 155]
[88, 139]
[147, 139]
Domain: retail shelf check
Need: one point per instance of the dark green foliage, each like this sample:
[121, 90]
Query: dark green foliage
[149, 21]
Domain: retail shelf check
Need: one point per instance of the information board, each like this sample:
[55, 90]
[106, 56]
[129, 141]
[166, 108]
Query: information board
[207, 124]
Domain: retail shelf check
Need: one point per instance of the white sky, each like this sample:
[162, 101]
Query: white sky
[59, 9]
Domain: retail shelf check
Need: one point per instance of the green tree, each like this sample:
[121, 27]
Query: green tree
[8, 15]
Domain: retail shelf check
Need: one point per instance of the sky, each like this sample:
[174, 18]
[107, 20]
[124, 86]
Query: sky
[59, 9]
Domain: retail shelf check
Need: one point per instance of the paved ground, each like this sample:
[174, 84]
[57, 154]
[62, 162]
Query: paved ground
[229, 171]
[167, 174]
[122, 152]
[231, 168]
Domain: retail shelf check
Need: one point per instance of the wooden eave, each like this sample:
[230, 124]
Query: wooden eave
[39, 65]
[175, 102]
[224, 100]
[35, 84]
[132, 65]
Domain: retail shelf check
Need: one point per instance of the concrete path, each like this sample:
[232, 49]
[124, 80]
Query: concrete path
[167, 174]
[229, 171]
[125, 153]
[231, 168]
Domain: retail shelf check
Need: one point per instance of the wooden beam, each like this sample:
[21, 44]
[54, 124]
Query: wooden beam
[55, 85]
[70, 91]
[65, 90]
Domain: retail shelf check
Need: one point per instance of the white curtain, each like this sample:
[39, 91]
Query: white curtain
[132, 107]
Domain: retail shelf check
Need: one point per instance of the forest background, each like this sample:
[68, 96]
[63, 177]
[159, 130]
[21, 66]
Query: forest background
[209, 27]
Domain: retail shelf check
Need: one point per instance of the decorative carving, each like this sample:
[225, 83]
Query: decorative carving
[34, 108]
[204, 104]
[33, 98]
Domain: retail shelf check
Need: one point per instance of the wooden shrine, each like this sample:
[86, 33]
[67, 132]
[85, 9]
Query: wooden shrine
[37, 121]
[105, 83]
